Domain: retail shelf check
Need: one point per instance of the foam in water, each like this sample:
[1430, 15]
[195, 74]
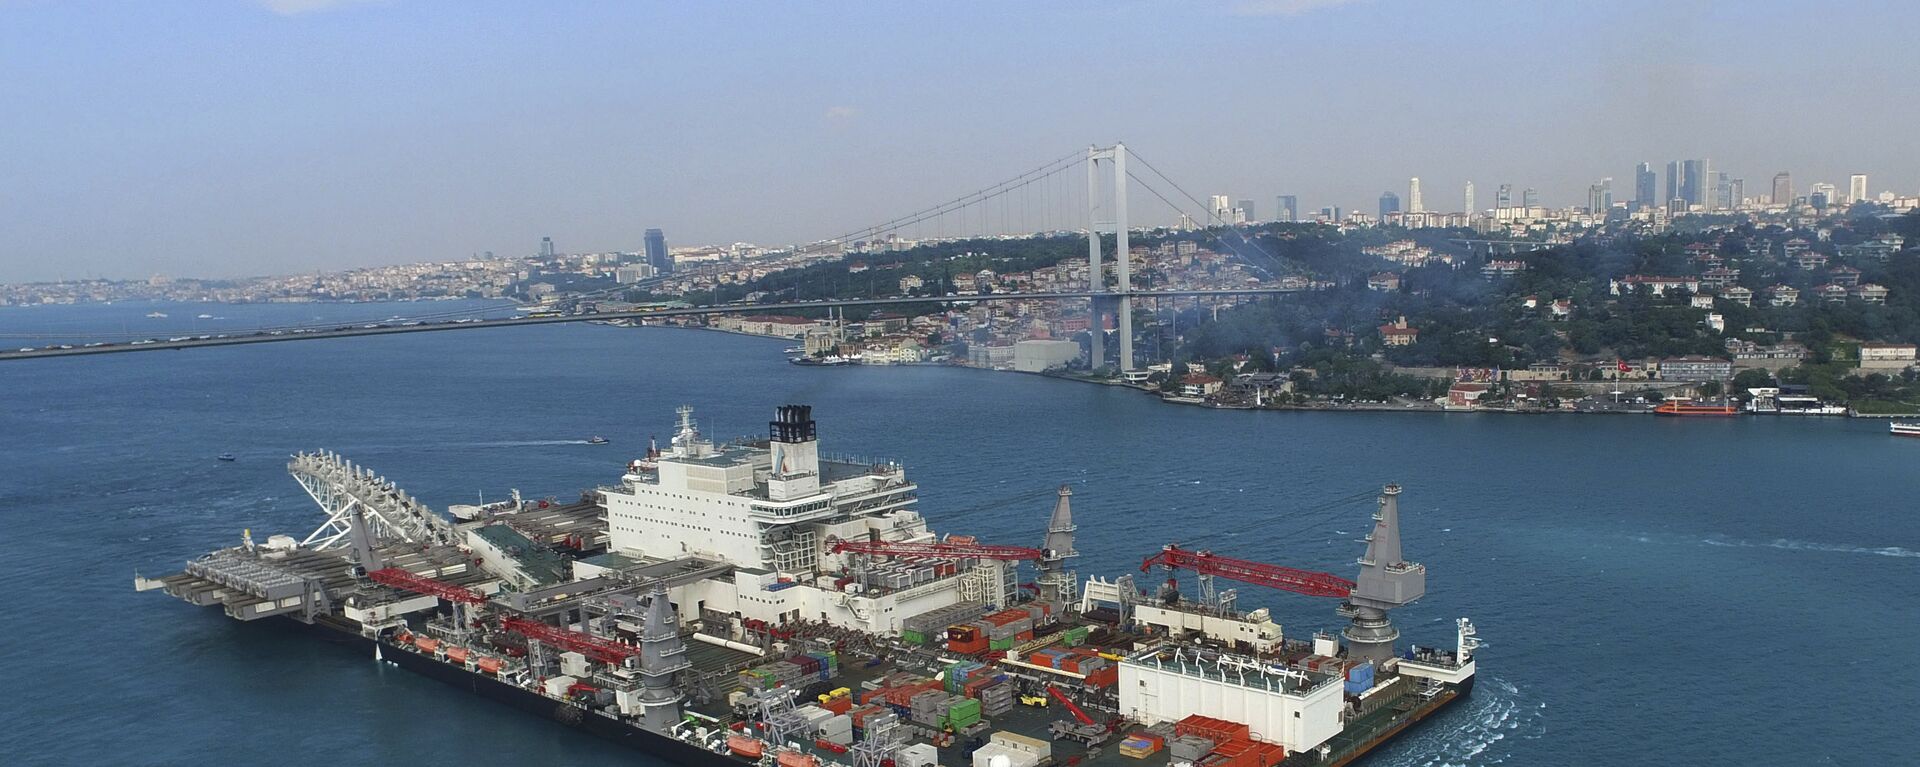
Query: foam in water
[1789, 544]
[1496, 710]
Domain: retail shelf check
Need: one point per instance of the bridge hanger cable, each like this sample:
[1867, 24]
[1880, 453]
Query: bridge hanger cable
[1210, 214]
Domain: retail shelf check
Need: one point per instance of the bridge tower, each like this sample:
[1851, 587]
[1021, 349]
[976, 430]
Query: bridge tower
[1112, 159]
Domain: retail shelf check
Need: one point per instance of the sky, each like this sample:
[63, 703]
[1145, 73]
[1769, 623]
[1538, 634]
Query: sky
[222, 138]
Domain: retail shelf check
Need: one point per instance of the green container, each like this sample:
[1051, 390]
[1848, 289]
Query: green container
[1000, 644]
[1076, 636]
[964, 708]
[913, 637]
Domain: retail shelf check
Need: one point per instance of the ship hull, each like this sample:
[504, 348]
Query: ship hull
[575, 717]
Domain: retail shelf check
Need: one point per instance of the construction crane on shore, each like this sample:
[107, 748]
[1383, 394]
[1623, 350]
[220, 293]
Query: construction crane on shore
[1209, 565]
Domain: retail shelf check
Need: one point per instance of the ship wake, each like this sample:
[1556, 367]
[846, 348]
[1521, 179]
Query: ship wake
[1789, 544]
[1498, 715]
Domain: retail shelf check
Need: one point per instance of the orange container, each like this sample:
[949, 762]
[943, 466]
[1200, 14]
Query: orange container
[490, 665]
[457, 655]
[1110, 676]
[1216, 730]
[795, 759]
[839, 705]
[426, 644]
[742, 745]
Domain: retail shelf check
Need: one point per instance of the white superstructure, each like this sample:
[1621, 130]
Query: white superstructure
[772, 510]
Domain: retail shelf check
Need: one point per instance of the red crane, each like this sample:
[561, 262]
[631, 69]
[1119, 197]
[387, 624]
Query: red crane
[602, 650]
[420, 584]
[1257, 573]
[947, 550]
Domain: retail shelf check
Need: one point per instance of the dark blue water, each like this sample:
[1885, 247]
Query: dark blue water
[1732, 592]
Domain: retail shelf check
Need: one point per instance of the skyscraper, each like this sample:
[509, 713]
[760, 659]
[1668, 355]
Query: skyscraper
[1783, 188]
[657, 252]
[1413, 196]
[1820, 195]
[1287, 208]
[1736, 192]
[1389, 203]
[1246, 211]
[1673, 183]
[546, 247]
[1643, 184]
[1222, 208]
[1696, 183]
[1857, 188]
[1600, 196]
[1469, 200]
[1722, 191]
[1503, 197]
[1530, 198]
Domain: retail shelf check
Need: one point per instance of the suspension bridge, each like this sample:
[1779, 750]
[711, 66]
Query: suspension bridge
[1042, 195]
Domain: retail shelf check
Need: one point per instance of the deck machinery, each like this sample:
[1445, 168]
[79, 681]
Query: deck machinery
[758, 602]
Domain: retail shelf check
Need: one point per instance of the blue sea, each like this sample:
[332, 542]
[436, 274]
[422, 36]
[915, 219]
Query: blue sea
[1651, 591]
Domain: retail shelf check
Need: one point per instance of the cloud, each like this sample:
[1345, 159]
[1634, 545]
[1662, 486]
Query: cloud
[842, 113]
[297, 7]
[1285, 7]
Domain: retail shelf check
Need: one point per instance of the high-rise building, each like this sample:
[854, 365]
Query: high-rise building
[1856, 188]
[1503, 197]
[1820, 195]
[1673, 183]
[546, 247]
[1696, 183]
[1600, 196]
[1286, 208]
[1414, 203]
[1722, 191]
[1389, 203]
[657, 256]
[1736, 193]
[1643, 184]
[1469, 200]
[1530, 198]
[1222, 208]
[1783, 188]
[1246, 211]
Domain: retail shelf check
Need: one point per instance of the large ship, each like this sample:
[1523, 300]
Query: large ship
[756, 602]
[1904, 429]
[1682, 406]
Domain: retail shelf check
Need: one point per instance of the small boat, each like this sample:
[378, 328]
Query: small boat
[597, 440]
[157, 315]
[226, 456]
[204, 317]
[1904, 429]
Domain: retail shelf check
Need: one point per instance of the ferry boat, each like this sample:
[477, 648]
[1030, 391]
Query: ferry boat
[757, 602]
[1904, 429]
[1681, 406]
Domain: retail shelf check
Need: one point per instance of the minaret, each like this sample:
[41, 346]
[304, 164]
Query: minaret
[662, 656]
[1055, 581]
[1386, 581]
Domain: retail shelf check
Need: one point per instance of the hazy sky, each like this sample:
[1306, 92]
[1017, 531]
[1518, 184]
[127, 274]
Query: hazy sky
[235, 137]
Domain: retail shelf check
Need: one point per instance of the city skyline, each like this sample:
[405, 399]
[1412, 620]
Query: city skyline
[421, 133]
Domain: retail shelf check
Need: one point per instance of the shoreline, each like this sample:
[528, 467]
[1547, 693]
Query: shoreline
[1329, 408]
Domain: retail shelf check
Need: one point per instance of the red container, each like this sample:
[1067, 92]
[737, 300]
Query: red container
[1219, 731]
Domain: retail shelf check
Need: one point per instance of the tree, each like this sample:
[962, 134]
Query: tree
[1752, 378]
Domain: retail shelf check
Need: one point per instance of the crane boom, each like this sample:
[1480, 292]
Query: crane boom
[1257, 573]
[602, 650]
[1071, 708]
[945, 550]
[420, 584]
